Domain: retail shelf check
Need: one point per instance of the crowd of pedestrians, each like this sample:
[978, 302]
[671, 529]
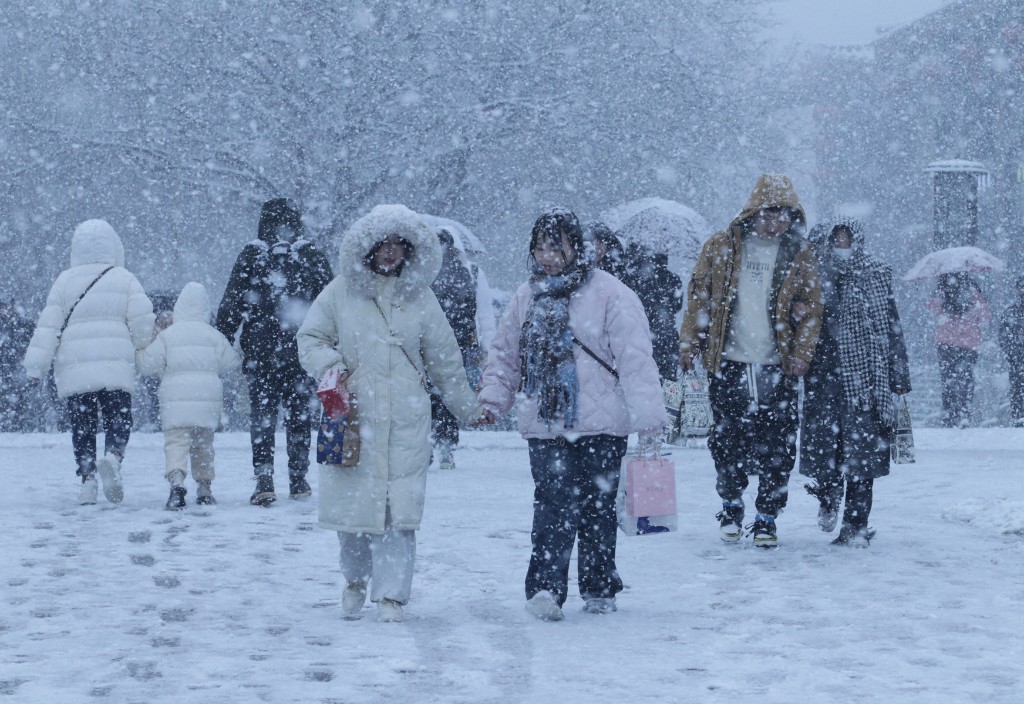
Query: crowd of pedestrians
[581, 352]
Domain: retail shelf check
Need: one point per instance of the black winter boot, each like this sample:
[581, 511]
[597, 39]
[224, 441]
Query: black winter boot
[829, 499]
[264, 494]
[298, 487]
[854, 537]
[176, 501]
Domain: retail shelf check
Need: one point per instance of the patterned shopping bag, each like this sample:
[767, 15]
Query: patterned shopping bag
[672, 391]
[901, 448]
[330, 440]
[695, 418]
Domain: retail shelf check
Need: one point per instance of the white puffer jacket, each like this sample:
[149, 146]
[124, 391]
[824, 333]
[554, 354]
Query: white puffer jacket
[344, 329]
[190, 355]
[97, 349]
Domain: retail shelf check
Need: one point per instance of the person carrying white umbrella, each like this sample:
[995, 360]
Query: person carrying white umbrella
[961, 315]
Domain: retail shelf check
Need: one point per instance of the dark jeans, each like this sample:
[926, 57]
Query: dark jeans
[574, 497]
[956, 368]
[755, 410]
[444, 426]
[84, 411]
[1017, 393]
[288, 386]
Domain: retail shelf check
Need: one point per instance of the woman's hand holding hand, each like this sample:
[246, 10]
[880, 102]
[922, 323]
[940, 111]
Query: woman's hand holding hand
[485, 418]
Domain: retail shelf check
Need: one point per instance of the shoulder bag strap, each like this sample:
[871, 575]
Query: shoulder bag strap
[608, 367]
[75, 304]
[400, 346]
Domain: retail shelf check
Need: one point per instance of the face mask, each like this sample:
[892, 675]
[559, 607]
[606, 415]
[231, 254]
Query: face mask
[285, 234]
[842, 254]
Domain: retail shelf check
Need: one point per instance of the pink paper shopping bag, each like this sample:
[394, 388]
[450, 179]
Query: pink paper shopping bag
[650, 486]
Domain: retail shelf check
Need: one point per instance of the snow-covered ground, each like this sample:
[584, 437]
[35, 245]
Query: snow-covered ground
[240, 604]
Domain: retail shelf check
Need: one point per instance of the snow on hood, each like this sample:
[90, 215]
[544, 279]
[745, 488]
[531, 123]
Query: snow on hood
[193, 304]
[420, 269]
[821, 233]
[773, 190]
[95, 242]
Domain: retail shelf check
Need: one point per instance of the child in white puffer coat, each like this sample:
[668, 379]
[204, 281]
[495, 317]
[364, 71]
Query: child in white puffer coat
[190, 355]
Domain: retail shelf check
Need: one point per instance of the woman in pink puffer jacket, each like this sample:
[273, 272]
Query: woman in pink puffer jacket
[962, 313]
[574, 349]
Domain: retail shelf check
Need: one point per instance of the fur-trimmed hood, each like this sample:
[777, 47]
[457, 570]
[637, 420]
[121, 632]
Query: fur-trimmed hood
[96, 242]
[420, 268]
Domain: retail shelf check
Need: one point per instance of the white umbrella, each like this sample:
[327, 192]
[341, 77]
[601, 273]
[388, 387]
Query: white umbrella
[662, 225]
[462, 235]
[951, 261]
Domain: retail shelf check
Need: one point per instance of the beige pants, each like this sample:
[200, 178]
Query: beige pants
[182, 444]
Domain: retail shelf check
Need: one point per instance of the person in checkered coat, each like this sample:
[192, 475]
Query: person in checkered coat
[859, 363]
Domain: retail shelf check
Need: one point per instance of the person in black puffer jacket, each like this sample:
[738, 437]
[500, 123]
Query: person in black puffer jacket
[661, 293]
[275, 279]
[455, 289]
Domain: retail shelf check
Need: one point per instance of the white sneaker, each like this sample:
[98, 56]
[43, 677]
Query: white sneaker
[109, 469]
[599, 605]
[87, 494]
[543, 605]
[446, 458]
[352, 601]
[389, 611]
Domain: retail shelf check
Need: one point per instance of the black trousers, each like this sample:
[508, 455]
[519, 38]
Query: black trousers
[443, 424]
[859, 495]
[956, 369]
[755, 410]
[288, 386]
[574, 498]
[84, 412]
[1017, 392]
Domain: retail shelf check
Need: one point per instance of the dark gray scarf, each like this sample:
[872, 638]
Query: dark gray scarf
[546, 344]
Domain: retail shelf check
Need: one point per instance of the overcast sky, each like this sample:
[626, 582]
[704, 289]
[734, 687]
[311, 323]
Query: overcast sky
[845, 21]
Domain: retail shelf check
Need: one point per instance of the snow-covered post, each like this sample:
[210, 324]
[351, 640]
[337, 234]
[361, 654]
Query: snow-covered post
[955, 185]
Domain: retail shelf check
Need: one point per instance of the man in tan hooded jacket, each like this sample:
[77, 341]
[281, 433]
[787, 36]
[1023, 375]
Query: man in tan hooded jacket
[739, 319]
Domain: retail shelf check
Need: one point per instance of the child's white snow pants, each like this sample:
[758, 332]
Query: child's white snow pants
[183, 444]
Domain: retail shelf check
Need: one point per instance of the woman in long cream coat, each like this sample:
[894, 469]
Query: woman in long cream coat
[380, 324]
